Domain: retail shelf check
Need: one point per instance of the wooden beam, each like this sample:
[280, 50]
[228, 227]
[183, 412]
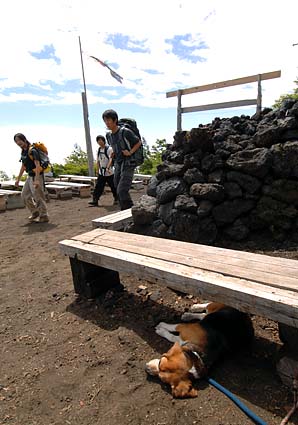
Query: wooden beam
[179, 112]
[259, 98]
[228, 83]
[223, 105]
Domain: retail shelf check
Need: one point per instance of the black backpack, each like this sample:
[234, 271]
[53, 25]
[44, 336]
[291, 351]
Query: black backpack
[131, 124]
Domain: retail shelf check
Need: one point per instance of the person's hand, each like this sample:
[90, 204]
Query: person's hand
[126, 152]
[36, 184]
[16, 183]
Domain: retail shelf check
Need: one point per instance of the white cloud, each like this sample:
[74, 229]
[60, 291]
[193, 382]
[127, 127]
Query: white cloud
[241, 42]
[242, 39]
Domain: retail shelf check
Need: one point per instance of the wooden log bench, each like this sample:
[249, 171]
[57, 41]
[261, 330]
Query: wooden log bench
[254, 283]
[59, 192]
[2, 202]
[78, 189]
[10, 185]
[144, 177]
[137, 185]
[78, 179]
[115, 221]
[13, 199]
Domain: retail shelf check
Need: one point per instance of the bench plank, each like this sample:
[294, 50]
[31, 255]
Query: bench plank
[116, 221]
[282, 273]
[252, 296]
[78, 189]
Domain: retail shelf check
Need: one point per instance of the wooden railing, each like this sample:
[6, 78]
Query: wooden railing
[222, 84]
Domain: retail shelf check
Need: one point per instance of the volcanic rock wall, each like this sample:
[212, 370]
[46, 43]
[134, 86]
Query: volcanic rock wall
[227, 179]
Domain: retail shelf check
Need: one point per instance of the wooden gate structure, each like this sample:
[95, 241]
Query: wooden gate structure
[222, 84]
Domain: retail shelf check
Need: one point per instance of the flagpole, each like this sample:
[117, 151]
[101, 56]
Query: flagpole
[86, 119]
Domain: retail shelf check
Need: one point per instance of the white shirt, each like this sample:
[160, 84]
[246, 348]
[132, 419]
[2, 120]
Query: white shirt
[103, 161]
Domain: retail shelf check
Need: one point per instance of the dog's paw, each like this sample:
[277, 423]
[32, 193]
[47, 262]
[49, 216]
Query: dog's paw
[160, 325]
[187, 317]
[198, 308]
[161, 331]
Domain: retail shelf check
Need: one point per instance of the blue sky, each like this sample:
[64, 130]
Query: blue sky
[155, 46]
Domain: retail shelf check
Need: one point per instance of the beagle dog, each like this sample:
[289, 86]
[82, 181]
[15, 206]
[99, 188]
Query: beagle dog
[197, 346]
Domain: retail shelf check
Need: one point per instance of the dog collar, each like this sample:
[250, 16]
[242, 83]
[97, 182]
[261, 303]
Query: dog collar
[199, 365]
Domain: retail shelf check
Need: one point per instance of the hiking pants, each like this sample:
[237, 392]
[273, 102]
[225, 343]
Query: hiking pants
[34, 198]
[123, 177]
[100, 184]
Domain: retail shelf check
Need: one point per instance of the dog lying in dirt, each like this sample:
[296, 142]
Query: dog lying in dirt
[197, 346]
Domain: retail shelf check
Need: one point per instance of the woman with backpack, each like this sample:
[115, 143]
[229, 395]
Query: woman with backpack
[104, 170]
[33, 191]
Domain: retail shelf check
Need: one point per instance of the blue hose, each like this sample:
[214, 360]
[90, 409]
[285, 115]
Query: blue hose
[238, 403]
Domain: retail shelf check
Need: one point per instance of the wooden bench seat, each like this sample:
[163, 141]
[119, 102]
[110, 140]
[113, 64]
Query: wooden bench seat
[79, 179]
[82, 190]
[116, 221]
[259, 284]
[59, 192]
[144, 177]
[13, 199]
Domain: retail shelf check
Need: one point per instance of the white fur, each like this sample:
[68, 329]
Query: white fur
[164, 329]
[199, 308]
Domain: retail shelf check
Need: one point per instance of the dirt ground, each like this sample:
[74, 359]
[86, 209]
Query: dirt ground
[81, 362]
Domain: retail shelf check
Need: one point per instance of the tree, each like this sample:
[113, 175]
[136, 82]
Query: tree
[293, 96]
[153, 157]
[76, 163]
[3, 176]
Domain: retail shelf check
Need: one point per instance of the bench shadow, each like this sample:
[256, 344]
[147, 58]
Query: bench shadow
[250, 376]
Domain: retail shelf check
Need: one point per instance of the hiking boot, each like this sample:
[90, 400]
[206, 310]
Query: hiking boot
[93, 203]
[43, 219]
[33, 217]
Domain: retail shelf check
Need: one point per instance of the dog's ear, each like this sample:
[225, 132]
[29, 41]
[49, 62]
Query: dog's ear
[184, 389]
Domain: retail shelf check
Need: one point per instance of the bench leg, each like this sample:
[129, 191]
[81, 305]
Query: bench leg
[90, 281]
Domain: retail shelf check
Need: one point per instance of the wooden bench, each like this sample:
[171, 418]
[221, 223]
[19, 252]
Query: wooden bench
[13, 199]
[79, 179]
[59, 192]
[254, 283]
[144, 177]
[116, 221]
[78, 189]
[2, 202]
[10, 185]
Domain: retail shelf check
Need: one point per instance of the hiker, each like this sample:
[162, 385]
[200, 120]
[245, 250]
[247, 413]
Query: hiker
[124, 163]
[104, 170]
[33, 191]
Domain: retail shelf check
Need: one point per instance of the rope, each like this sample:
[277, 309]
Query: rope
[238, 403]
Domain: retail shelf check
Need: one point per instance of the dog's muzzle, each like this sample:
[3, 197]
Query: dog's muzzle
[152, 367]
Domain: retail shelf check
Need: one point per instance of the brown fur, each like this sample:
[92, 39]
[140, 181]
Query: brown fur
[205, 341]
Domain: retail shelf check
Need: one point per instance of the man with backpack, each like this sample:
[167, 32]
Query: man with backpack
[33, 190]
[125, 144]
[104, 170]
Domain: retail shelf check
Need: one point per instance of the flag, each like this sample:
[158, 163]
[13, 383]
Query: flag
[112, 72]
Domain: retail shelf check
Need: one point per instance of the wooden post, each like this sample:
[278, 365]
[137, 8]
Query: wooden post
[87, 135]
[259, 98]
[179, 112]
[86, 119]
[90, 280]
